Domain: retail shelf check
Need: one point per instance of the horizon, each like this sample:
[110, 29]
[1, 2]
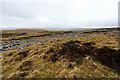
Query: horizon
[60, 28]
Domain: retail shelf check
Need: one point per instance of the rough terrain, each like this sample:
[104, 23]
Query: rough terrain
[61, 54]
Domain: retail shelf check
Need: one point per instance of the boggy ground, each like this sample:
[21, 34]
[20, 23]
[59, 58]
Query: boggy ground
[82, 57]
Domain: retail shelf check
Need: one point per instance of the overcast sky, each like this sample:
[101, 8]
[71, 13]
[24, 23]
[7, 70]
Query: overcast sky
[59, 14]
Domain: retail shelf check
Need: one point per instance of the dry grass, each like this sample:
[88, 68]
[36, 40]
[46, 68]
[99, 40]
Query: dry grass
[91, 57]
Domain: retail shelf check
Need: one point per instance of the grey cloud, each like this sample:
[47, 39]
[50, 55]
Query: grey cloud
[68, 13]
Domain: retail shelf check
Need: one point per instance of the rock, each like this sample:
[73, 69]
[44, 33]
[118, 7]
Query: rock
[21, 47]
[4, 47]
[28, 45]
[14, 45]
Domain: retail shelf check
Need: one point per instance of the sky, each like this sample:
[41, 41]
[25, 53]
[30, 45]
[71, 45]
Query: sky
[60, 14]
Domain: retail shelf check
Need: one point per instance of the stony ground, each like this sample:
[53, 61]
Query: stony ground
[70, 55]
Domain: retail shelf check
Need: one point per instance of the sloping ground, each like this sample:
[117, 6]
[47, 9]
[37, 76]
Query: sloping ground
[62, 59]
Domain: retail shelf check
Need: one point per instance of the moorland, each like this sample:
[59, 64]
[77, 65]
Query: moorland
[34, 53]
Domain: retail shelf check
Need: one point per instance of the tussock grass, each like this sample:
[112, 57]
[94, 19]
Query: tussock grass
[65, 58]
